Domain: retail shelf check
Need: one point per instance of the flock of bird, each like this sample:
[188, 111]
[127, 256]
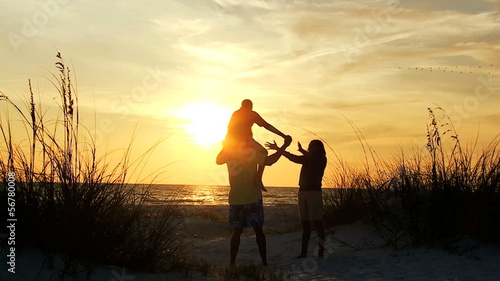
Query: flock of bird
[470, 69]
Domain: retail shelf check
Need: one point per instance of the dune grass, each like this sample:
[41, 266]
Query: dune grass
[434, 196]
[73, 203]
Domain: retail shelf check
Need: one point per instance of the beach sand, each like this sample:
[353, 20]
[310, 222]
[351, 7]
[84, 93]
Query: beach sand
[353, 252]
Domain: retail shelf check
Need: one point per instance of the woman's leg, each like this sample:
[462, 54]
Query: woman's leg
[306, 235]
[306, 224]
[320, 229]
[316, 210]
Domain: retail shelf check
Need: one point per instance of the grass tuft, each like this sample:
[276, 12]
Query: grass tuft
[73, 203]
[430, 197]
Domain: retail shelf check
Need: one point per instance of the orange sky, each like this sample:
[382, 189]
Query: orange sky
[177, 70]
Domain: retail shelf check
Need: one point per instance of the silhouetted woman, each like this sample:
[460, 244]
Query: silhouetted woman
[310, 198]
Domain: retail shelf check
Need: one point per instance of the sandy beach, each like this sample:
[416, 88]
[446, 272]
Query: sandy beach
[353, 252]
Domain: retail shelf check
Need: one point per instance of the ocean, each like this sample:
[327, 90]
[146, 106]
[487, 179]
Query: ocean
[214, 195]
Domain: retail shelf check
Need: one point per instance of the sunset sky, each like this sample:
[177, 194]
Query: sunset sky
[178, 69]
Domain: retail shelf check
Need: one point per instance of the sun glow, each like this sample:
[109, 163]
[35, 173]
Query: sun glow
[207, 122]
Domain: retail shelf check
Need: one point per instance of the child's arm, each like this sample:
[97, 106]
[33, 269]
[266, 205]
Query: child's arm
[271, 128]
[261, 122]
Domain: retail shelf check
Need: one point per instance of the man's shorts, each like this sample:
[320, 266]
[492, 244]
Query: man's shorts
[248, 215]
[310, 206]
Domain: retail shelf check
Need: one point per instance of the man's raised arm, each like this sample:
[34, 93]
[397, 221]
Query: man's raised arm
[273, 158]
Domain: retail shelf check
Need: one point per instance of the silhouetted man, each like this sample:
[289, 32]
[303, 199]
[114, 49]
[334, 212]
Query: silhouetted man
[245, 199]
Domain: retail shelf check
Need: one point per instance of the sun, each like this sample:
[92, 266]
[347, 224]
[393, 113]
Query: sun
[206, 122]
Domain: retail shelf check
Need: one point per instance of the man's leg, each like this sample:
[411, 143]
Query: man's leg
[306, 234]
[320, 229]
[260, 237]
[235, 244]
